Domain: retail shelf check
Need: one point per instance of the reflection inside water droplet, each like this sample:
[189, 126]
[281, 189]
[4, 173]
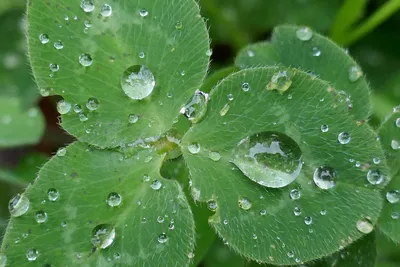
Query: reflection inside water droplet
[138, 82]
[103, 236]
[18, 205]
[325, 177]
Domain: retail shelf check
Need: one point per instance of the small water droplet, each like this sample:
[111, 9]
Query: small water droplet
[209, 53]
[344, 138]
[142, 55]
[250, 53]
[395, 145]
[324, 128]
[295, 194]
[225, 221]
[61, 152]
[325, 177]
[162, 238]
[280, 81]
[63, 224]
[63, 107]
[44, 38]
[45, 91]
[92, 104]
[85, 60]
[244, 203]
[143, 12]
[230, 97]
[297, 211]
[393, 196]
[58, 45]
[245, 87]
[263, 212]
[114, 199]
[308, 220]
[144, 220]
[103, 235]
[54, 67]
[160, 219]
[191, 255]
[214, 156]
[271, 159]
[364, 226]
[87, 5]
[83, 117]
[376, 160]
[41, 217]
[116, 256]
[196, 108]
[212, 205]
[323, 212]
[32, 254]
[18, 205]
[106, 10]
[194, 148]
[224, 110]
[316, 52]
[304, 34]
[138, 82]
[133, 118]
[52, 194]
[375, 177]
[398, 123]
[77, 108]
[395, 215]
[290, 254]
[156, 185]
[355, 73]
[179, 25]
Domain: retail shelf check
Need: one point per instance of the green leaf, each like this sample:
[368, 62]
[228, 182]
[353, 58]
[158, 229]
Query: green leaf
[389, 134]
[257, 110]
[258, 55]
[216, 77]
[18, 126]
[219, 255]
[84, 178]
[169, 38]
[29, 166]
[332, 64]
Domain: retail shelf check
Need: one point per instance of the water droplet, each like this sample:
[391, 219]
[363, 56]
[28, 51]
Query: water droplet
[355, 73]
[194, 148]
[323, 212]
[160, 219]
[254, 236]
[171, 225]
[398, 122]
[308, 220]
[41, 217]
[162, 238]
[230, 97]
[196, 108]
[304, 34]
[244, 203]
[87, 5]
[103, 235]
[83, 117]
[116, 256]
[316, 52]
[212, 205]
[395, 215]
[364, 226]
[295, 194]
[45, 91]
[297, 211]
[393, 196]
[63, 107]
[58, 45]
[324, 128]
[85, 60]
[178, 25]
[54, 67]
[191, 255]
[280, 81]
[142, 55]
[376, 160]
[61, 152]
[263, 212]
[225, 221]
[290, 254]
[245, 87]
[32, 254]
[52, 194]
[143, 12]
[144, 220]
[77, 108]
[375, 177]
[209, 53]
[271, 159]
[224, 110]
[132, 118]
[92, 104]
[344, 138]
[156, 185]
[114, 199]
[214, 156]
[325, 177]
[106, 10]
[395, 144]
[63, 224]
[3, 260]
[18, 205]
[250, 53]
[44, 38]
[138, 82]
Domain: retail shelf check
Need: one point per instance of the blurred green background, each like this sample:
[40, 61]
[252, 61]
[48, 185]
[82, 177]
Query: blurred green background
[370, 30]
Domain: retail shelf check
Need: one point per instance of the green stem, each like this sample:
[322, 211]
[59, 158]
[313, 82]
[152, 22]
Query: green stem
[381, 15]
[239, 38]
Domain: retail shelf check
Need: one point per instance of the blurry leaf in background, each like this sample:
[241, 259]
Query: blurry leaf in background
[29, 166]
[220, 255]
[8, 4]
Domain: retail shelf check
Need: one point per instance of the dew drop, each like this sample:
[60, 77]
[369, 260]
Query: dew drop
[225, 221]
[395, 145]
[280, 81]
[295, 194]
[92, 104]
[61, 152]
[142, 55]
[316, 52]
[138, 82]
[58, 45]
[304, 34]
[77, 108]
[162, 238]
[83, 117]
[212, 205]
[52, 194]
[209, 53]
[40, 217]
[250, 53]
[194, 148]
[85, 60]
[263, 212]
[271, 159]
[297, 211]
[44, 38]
[308, 220]
[18, 205]
[106, 10]
[114, 199]
[344, 138]
[393, 196]
[3, 260]
[375, 177]
[324, 128]
[398, 123]
[395, 215]
[325, 177]
[45, 91]
[224, 110]
[355, 73]
[103, 236]
[214, 156]
[323, 212]
[32, 254]
[133, 118]
[54, 67]
[160, 219]
[87, 5]
[230, 97]
[376, 160]
[179, 25]
[245, 87]
[63, 107]
[290, 254]
[191, 255]
[196, 108]
[244, 203]
[143, 12]
[364, 226]
[156, 185]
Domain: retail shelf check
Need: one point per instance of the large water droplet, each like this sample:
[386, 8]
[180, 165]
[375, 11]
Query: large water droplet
[106, 10]
[325, 177]
[41, 217]
[93, 104]
[53, 194]
[63, 107]
[197, 107]
[32, 254]
[375, 177]
[162, 238]
[304, 34]
[18, 205]
[355, 73]
[244, 203]
[393, 196]
[114, 199]
[138, 82]
[87, 5]
[280, 81]
[324, 128]
[271, 159]
[364, 226]
[344, 138]
[85, 60]
[44, 38]
[103, 235]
